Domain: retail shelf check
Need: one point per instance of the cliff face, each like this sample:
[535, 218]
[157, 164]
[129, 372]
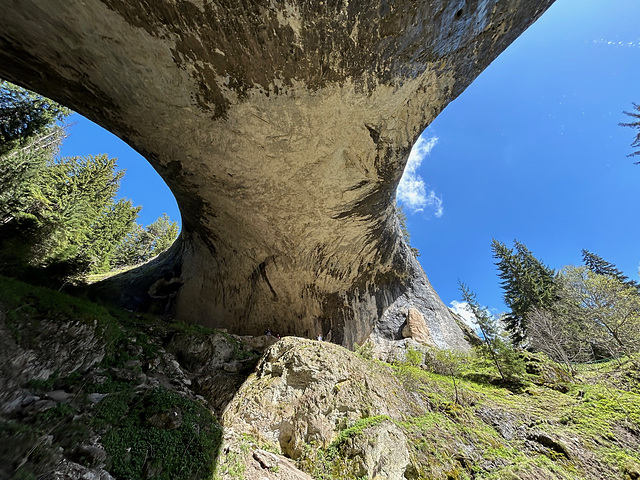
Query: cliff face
[282, 128]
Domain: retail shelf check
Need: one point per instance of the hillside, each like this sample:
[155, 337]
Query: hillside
[94, 392]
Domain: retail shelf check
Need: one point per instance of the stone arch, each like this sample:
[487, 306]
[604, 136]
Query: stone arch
[283, 129]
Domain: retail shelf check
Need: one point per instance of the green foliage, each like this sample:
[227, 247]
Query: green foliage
[357, 428]
[79, 217]
[24, 301]
[510, 366]
[141, 244]
[527, 283]
[334, 461]
[364, 351]
[635, 123]
[61, 214]
[138, 447]
[596, 316]
[599, 266]
[414, 357]
[25, 115]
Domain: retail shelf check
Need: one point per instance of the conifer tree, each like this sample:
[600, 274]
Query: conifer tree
[599, 266]
[526, 282]
[635, 123]
[509, 365]
[25, 115]
[141, 244]
[60, 214]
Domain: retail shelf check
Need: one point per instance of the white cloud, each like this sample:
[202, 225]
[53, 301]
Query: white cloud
[618, 44]
[461, 309]
[412, 190]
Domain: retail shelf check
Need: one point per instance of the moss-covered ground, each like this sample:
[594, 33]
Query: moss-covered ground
[113, 400]
[551, 424]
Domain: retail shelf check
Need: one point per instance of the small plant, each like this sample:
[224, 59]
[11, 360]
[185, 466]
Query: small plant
[365, 350]
[414, 357]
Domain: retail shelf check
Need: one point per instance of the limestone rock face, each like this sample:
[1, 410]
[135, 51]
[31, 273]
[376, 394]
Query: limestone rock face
[304, 391]
[416, 328]
[282, 128]
[381, 452]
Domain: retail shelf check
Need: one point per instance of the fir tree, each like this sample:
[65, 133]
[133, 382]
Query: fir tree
[508, 363]
[60, 214]
[25, 115]
[142, 244]
[527, 283]
[599, 266]
[634, 124]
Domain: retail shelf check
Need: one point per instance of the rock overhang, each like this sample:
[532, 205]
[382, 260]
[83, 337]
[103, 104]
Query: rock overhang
[283, 129]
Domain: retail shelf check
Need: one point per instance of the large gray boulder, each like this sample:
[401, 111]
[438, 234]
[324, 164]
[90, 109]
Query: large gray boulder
[282, 128]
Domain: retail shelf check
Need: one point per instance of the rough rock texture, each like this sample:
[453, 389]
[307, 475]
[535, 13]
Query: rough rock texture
[416, 328]
[38, 349]
[381, 451]
[282, 127]
[303, 391]
[310, 406]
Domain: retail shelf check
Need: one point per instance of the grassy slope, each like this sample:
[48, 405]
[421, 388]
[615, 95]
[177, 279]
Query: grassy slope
[33, 440]
[551, 427]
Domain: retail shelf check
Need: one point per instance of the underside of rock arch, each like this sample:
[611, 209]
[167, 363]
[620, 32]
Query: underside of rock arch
[283, 128]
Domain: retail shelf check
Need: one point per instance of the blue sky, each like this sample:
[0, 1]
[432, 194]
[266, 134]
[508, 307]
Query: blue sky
[531, 150]
[141, 183]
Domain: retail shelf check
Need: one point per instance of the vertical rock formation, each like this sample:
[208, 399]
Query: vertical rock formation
[283, 128]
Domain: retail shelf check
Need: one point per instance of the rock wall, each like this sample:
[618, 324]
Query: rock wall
[282, 128]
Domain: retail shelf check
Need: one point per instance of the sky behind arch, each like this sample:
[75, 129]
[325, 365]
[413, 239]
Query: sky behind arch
[532, 151]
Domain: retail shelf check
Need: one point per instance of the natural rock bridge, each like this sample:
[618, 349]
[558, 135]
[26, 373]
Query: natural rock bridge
[282, 127]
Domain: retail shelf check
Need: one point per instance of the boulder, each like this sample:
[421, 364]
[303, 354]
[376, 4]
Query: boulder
[416, 328]
[379, 452]
[305, 391]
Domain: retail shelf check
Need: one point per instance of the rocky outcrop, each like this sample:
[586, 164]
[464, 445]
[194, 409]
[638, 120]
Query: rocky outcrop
[282, 128]
[141, 407]
[303, 391]
[416, 328]
[380, 451]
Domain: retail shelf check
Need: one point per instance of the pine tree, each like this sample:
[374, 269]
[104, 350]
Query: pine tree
[60, 214]
[25, 115]
[142, 244]
[527, 283]
[599, 266]
[509, 365]
[634, 124]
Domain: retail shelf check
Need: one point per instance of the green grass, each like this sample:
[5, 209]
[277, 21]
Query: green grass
[136, 447]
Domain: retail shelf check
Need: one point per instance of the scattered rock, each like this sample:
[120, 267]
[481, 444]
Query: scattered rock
[59, 396]
[503, 422]
[170, 420]
[549, 442]
[381, 451]
[96, 397]
[67, 470]
[93, 456]
[265, 459]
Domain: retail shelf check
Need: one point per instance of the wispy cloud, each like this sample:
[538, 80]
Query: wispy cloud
[461, 309]
[412, 190]
[635, 44]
